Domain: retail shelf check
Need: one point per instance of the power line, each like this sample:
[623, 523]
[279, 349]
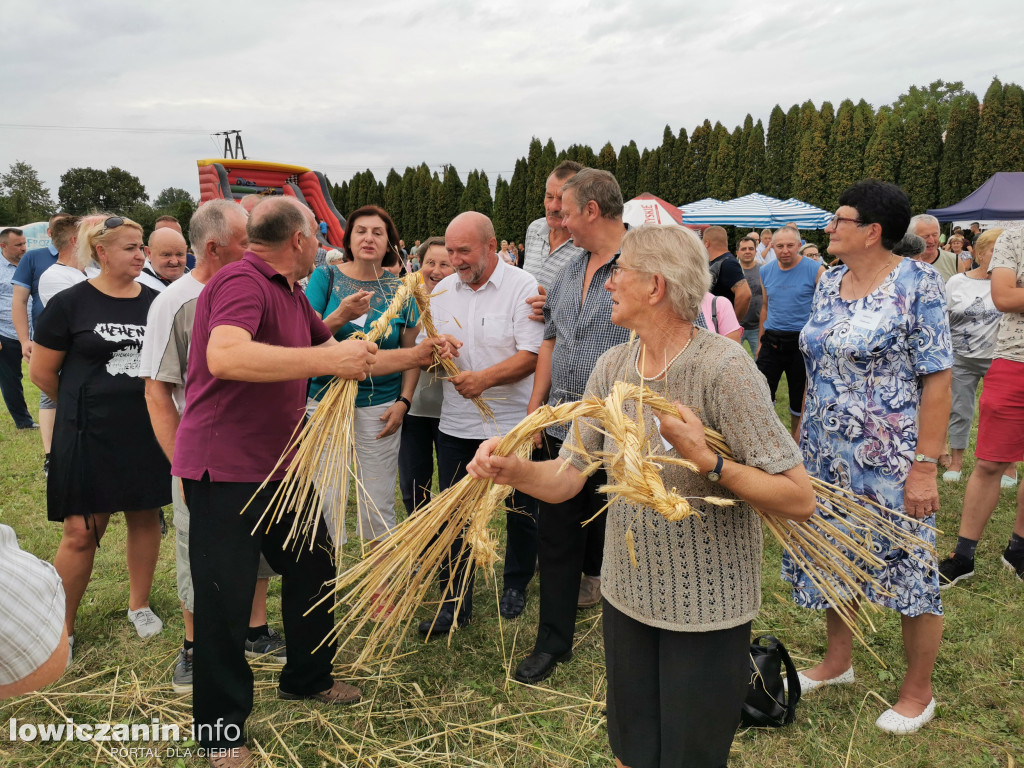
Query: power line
[189, 131]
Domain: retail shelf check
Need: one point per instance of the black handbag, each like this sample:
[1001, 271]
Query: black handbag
[767, 704]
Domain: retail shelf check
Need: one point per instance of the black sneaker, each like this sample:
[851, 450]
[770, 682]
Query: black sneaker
[181, 680]
[953, 569]
[271, 646]
[1014, 561]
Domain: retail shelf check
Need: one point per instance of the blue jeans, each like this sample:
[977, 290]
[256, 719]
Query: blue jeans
[750, 336]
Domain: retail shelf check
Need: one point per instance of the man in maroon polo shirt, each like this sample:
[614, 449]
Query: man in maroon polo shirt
[255, 342]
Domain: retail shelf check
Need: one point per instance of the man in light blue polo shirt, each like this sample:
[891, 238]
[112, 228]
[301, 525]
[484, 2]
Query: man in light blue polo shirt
[26, 285]
[12, 250]
[788, 288]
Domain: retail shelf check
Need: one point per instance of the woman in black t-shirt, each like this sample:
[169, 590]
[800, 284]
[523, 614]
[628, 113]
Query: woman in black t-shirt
[105, 457]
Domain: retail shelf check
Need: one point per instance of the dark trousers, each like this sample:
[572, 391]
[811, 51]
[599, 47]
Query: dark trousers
[780, 353]
[567, 549]
[10, 382]
[416, 460]
[453, 454]
[225, 555]
[674, 698]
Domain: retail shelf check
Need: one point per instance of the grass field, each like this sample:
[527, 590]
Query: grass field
[457, 706]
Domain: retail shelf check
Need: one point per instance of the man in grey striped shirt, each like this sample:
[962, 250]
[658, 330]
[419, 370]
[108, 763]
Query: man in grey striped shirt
[548, 245]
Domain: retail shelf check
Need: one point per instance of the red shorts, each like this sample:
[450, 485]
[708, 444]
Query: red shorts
[1001, 413]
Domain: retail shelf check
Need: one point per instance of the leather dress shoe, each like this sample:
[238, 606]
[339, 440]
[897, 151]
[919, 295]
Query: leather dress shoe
[442, 624]
[539, 665]
[512, 603]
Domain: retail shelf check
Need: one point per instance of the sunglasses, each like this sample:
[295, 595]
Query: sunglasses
[112, 223]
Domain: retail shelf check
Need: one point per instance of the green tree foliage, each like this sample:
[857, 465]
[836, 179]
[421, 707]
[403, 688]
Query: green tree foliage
[628, 173]
[922, 150]
[1011, 129]
[722, 164]
[502, 212]
[776, 174]
[680, 157]
[884, 150]
[845, 154]
[699, 158]
[668, 183]
[957, 163]
[23, 197]
[939, 95]
[794, 137]
[171, 197]
[83, 190]
[580, 153]
[750, 173]
[518, 219]
[607, 160]
[649, 178]
[987, 149]
[451, 195]
[811, 163]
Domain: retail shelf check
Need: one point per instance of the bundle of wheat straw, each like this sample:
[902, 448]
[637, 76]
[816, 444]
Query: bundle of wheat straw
[399, 574]
[325, 446]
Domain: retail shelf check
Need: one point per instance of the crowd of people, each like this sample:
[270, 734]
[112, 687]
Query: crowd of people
[177, 375]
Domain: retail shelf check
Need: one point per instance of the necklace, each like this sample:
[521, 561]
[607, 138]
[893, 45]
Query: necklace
[871, 282]
[668, 365]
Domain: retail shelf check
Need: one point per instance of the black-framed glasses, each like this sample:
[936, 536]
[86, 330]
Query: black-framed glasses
[836, 219]
[616, 268]
[112, 223]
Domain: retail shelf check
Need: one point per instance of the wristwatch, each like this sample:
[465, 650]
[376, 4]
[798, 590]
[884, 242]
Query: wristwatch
[928, 459]
[716, 474]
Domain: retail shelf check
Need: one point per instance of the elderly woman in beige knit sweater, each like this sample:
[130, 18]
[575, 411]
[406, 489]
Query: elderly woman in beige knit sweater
[677, 624]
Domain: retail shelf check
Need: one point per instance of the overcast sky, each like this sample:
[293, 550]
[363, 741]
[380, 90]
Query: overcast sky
[340, 86]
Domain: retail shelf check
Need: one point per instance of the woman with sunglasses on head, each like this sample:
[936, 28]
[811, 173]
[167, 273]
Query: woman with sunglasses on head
[350, 296]
[105, 457]
[878, 354]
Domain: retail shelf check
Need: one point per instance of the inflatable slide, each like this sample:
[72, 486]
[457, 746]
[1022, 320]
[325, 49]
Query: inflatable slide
[234, 179]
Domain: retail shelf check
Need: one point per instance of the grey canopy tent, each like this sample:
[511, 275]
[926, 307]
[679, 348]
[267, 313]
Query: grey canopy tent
[999, 198]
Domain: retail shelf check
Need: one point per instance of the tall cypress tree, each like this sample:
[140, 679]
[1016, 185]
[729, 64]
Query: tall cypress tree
[502, 221]
[794, 137]
[435, 223]
[809, 173]
[667, 187]
[628, 166]
[958, 150]
[546, 161]
[699, 158]
[392, 198]
[517, 197]
[884, 151]
[751, 170]
[775, 173]
[451, 195]
[1011, 128]
[421, 185]
[845, 157]
[919, 166]
[607, 160]
[987, 151]
[483, 202]
[680, 159]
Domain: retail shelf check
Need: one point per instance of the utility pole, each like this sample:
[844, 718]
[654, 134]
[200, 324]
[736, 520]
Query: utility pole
[238, 151]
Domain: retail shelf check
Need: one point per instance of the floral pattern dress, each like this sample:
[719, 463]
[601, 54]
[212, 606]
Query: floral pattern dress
[865, 359]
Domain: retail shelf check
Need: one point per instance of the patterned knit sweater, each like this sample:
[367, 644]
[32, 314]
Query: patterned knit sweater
[702, 573]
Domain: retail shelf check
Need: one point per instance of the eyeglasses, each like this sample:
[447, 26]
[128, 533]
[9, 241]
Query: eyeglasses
[616, 268]
[835, 220]
[112, 223]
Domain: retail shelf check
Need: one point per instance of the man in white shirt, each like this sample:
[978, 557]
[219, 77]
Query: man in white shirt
[65, 272]
[484, 306]
[167, 254]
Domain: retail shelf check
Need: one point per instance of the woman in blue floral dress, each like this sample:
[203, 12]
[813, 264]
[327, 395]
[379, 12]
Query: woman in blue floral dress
[878, 354]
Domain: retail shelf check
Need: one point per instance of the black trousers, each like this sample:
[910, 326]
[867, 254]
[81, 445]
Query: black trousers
[674, 698]
[453, 454]
[567, 549]
[10, 382]
[225, 556]
[780, 353]
[416, 460]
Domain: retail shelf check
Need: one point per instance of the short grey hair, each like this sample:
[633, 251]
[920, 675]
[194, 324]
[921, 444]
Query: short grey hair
[334, 256]
[276, 219]
[599, 186]
[677, 255]
[212, 221]
[921, 218]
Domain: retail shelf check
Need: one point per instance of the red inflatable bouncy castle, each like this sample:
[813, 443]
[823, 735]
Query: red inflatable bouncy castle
[234, 179]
